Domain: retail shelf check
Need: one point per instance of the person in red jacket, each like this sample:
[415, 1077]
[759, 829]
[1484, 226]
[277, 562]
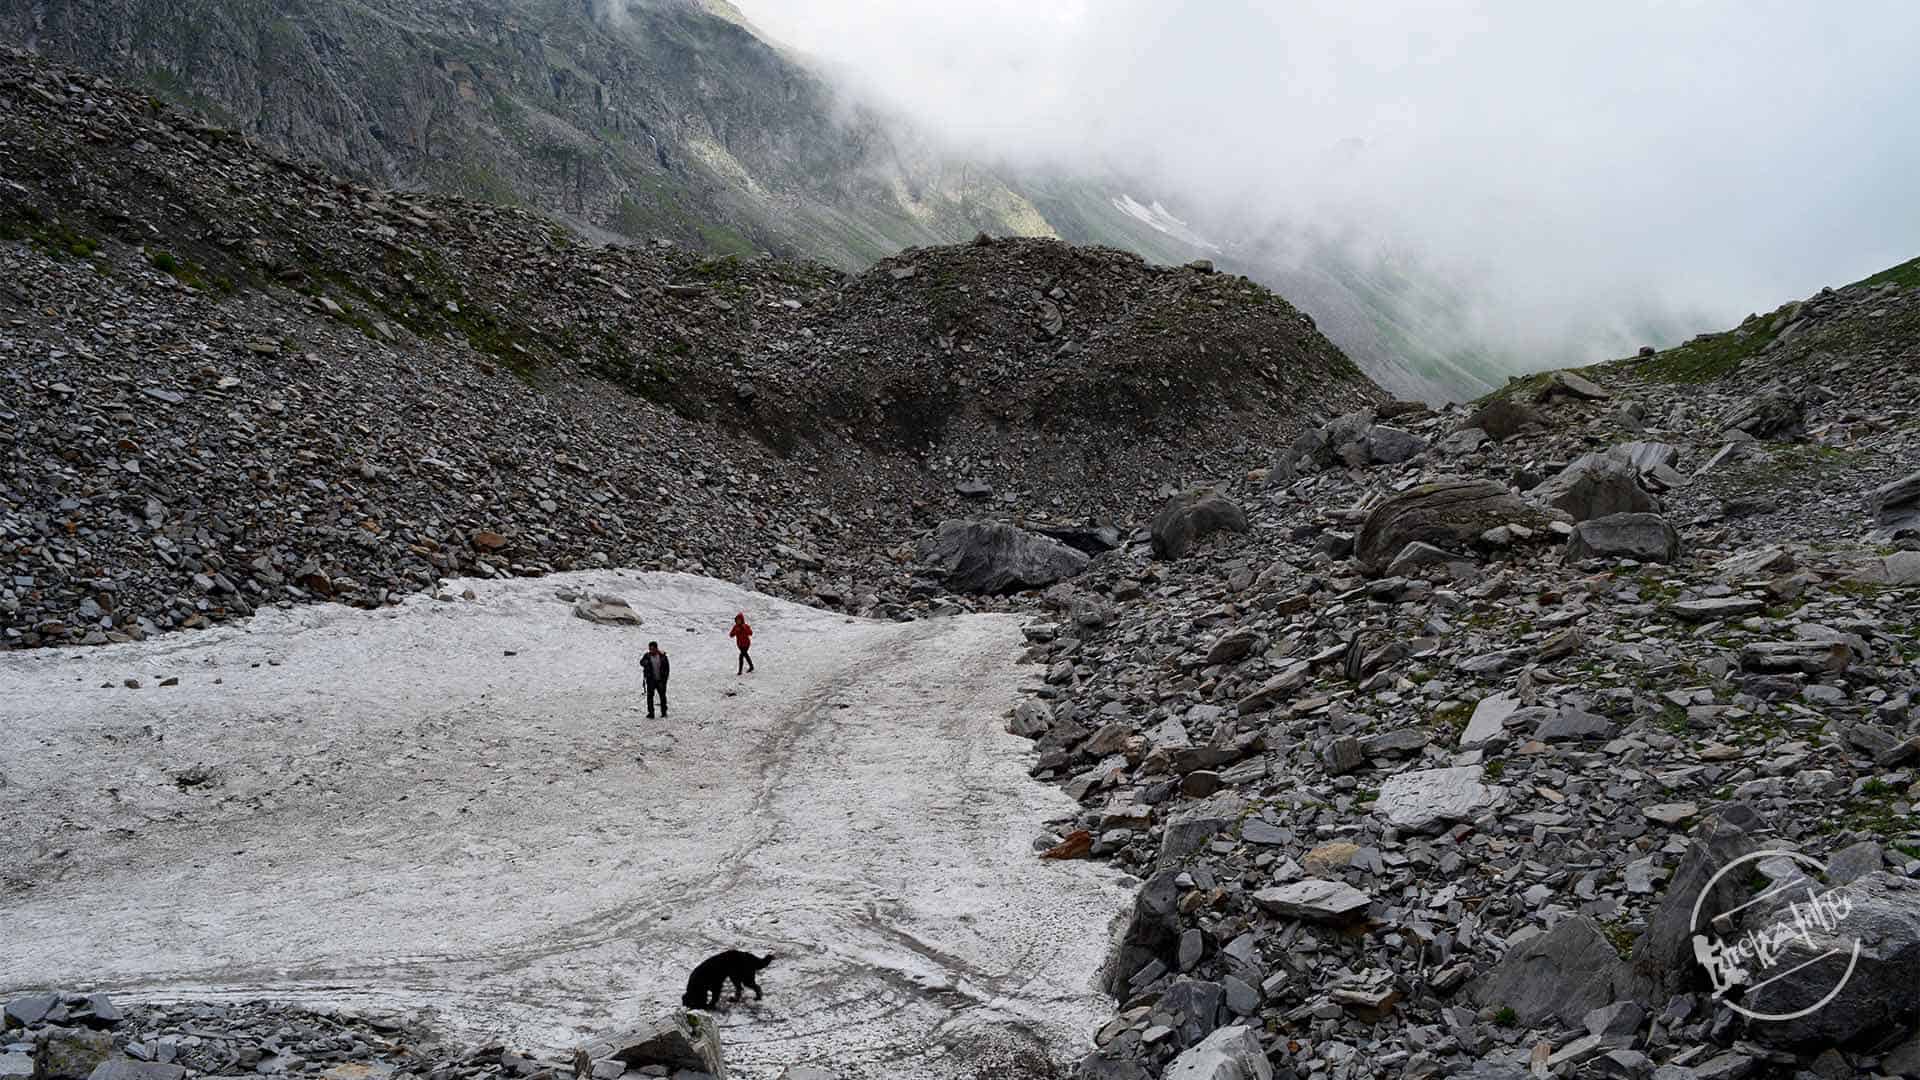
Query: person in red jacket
[742, 634]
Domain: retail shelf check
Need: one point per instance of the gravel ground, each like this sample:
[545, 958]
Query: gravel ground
[482, 819]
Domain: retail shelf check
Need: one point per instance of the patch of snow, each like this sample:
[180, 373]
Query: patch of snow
[384, 809]
[1156, 217]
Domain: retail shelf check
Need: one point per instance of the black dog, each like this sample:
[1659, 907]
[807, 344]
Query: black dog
[707, 980]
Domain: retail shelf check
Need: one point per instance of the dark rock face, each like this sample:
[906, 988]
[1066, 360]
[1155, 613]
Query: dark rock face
[1663, 961]
[1152, 933]
[1561, 975]
[1197, 1008]
[1646, 537]
[1090, 539]
[1881, 997]
[1194, 516]
[1447, 514]
[1896, 506]
[369, 89]
[1773, 416]
[994, 557]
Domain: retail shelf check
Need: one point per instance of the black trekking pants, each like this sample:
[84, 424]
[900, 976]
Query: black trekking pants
[659, 688]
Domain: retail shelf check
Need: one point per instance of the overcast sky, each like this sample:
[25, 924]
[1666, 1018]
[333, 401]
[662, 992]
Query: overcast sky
[1723, 156]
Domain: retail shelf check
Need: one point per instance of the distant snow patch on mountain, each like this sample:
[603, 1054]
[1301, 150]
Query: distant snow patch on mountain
[1156, 217]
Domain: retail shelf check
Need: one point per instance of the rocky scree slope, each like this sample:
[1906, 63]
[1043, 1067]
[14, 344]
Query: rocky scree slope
[1447, 813]
[235, 380]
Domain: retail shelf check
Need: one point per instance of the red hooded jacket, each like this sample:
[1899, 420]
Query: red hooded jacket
[741, 631]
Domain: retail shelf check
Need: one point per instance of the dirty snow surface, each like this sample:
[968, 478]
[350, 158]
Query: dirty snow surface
[462, 806]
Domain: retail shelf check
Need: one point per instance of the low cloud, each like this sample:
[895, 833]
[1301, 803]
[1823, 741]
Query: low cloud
[1575, 164]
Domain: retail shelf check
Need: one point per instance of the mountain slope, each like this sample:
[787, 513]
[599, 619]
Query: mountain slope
[649, 118]
[666, 118]
[233, 380]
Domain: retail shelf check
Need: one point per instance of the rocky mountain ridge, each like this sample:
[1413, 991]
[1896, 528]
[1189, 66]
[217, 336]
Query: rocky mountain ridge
[235, 380]
[663, 118]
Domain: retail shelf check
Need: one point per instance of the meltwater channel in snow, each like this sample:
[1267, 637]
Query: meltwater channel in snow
[463, 806]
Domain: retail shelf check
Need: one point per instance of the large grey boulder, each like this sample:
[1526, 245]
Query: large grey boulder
[1448, 513]
[1232, 1053]
[1566, 384]
[1152, 932]
[1503, 418]
[1900, 570]
[680, 1040]
[607, 610]
[28, 1010]
[1196, 1008]
[1563, 975]
[1353, 439]
[994, 557]
[71, 1053]
[1880, 913]
[1340, 441]
[1596, 485]
[1646, 537]
[1391, 445]
[1193, 516]
[1896, 506]
[1773, 415]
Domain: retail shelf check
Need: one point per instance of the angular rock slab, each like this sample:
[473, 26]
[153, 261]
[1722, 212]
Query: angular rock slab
[1897, 505]
[1489, 721]
[681, 1040]
[1597, 485]
[1152, 932]
[606, 609]
[1232, 1053]
[1315, 899]
[992, 557]
[1429, 798]
[1568, 384]
[1662, 963]
[1646, 537]
[1900, 570]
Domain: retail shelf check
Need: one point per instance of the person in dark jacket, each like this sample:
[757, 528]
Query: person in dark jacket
[742, 634]
[653, 671]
